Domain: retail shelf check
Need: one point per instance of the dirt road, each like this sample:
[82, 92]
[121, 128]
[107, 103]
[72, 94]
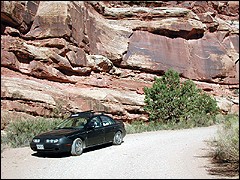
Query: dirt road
[178, 154]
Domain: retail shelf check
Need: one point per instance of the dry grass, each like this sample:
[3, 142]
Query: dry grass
[225, 149]
[224, 169]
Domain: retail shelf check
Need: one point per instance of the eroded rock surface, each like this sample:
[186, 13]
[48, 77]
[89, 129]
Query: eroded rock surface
[61, 56]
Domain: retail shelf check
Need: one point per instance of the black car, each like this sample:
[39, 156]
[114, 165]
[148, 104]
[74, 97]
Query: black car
[79, 131]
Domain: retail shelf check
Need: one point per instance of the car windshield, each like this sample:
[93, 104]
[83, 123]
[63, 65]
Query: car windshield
[76, 122]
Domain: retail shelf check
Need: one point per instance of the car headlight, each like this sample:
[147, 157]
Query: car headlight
[52, 140]
[36, 140]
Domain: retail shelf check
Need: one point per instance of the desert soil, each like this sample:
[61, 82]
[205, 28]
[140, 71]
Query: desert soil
[166, 154]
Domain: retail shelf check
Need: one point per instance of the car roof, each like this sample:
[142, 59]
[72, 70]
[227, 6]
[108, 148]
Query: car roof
[86, 114]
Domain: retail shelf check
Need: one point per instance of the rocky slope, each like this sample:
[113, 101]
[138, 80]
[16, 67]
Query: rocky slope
[66, 56]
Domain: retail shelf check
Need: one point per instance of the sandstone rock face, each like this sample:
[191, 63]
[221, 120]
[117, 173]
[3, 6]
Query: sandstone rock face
[194, 59]
[59, 57]
[50, 14]
[18, 14]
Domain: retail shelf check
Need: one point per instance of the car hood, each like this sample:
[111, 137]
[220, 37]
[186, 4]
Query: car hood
[59, 132]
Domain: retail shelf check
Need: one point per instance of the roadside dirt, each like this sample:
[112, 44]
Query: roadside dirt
[168, 154]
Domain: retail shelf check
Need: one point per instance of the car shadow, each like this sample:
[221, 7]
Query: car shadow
[98, 147]
[51, 155]
[94, 148]
[64, 155]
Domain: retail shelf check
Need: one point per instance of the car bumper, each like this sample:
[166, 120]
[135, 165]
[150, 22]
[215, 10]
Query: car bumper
[54, 148]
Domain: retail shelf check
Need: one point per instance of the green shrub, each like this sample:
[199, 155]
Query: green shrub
[20, 132]
[169, 100]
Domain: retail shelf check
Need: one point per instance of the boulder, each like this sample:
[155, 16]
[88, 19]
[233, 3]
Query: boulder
[99, 63]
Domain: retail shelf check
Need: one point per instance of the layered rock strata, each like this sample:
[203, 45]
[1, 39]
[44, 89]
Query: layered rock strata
[66, 56]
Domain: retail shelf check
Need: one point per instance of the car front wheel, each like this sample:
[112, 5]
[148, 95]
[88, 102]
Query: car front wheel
[77, 147]
[117, 140]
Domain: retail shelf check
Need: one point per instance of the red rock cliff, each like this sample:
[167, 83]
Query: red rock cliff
[66, 56]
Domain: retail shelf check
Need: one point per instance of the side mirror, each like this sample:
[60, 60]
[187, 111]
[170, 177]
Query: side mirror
[90, 126]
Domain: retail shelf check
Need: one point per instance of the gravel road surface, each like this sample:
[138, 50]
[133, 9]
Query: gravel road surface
[166, 154]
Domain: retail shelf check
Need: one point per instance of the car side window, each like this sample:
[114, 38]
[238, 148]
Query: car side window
[81, 122]
[96, 121]
[107, 120]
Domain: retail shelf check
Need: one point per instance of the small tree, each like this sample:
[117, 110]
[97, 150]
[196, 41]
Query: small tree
[169, 100]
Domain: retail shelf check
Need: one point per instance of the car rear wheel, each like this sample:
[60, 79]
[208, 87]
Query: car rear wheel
[117, 140]
[77, 147]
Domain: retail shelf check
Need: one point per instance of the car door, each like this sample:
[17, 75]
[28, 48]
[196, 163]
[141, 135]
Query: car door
[109, 126]
[96, 134]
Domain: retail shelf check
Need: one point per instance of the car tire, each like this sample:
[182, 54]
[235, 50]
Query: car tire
[77, 147]
[118, 138]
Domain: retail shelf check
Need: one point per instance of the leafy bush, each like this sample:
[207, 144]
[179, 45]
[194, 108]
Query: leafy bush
[20, 132]
[169, 100]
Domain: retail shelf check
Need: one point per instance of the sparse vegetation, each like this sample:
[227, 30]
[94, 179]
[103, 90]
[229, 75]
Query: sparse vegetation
[225, 148]
[20, 132]
[141, 126]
